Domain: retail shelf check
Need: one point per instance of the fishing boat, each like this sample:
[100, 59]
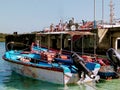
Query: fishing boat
[57, 56]
[84, 44]
[49, 65]
[86, 51]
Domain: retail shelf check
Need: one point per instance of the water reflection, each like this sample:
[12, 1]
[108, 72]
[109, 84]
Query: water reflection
[18, 82]
[113, 84]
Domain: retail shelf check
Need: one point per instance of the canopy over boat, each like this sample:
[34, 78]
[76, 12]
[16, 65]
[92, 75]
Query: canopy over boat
[69, 40]
[71, 33]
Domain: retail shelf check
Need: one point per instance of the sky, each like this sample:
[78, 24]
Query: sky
[24, 16]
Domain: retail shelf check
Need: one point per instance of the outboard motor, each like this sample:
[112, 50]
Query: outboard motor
[114, 57]
[80, 65]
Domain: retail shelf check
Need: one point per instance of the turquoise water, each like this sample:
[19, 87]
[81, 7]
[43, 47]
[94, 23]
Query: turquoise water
[11, 81]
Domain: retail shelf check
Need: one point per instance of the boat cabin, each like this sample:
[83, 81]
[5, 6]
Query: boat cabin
[79, 41]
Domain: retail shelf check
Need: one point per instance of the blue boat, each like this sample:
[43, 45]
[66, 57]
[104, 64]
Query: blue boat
[58, 72]
[48, 65]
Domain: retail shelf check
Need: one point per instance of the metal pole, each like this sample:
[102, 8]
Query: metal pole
[94, 10]
[71, 43]
[94, 15]
[82, 44]
[40, 40]
[95, 44]
[102, 12]
[48, 42]
[61, 41]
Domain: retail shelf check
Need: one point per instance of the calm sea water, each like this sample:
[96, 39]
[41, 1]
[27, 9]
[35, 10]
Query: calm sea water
[11, 81]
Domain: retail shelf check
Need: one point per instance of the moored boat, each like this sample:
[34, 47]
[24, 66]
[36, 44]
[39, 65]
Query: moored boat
[57, 65]
[46, 65]
[31, 65]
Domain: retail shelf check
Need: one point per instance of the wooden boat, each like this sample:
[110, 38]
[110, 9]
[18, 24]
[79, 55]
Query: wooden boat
[57, 66]
[45, 65]
[31, 65]
[79, 43]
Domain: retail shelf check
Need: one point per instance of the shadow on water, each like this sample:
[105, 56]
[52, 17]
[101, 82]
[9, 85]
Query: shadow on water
[10, 80]
[18, 82]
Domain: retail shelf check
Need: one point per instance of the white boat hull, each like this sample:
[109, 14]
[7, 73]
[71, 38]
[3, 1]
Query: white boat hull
[58, 74]
[43, 74]
[52, 75]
